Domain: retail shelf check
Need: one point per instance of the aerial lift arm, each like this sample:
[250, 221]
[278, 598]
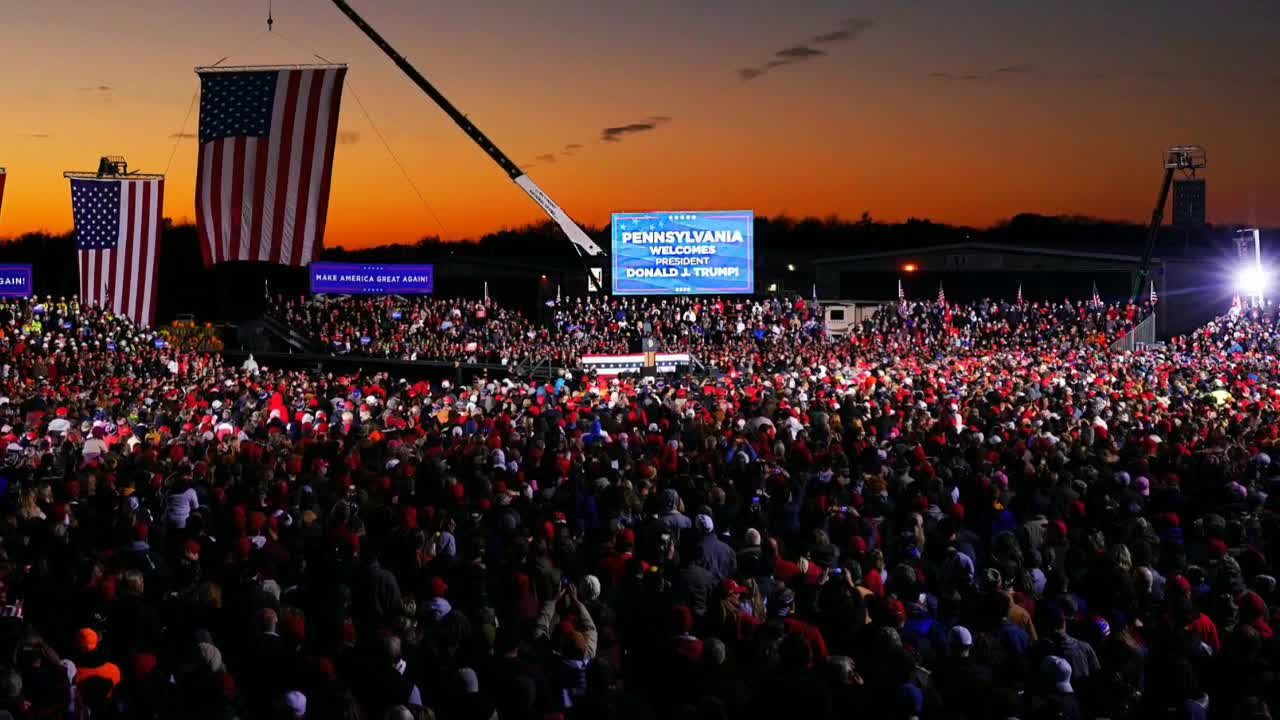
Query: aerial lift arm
[1184, 158]
[581, 242]
[1153, 231]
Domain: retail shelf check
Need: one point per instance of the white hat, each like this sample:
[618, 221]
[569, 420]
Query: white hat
[1057, 672]
[296, 702]
[591, 587]
[704, 523]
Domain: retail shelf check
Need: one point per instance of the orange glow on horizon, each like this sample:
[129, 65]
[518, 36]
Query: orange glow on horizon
[1066, 128]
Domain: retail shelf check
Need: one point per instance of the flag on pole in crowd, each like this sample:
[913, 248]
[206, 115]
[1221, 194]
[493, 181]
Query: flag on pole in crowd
[1019, 293]
[1097, 299]
[486, 291]
[1236, 304]
[117, 226]
[942, 295]
[266, 161]
[3, 175]
[1154, 298]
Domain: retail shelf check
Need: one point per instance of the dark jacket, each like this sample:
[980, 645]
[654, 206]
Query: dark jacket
[377, 595]
[716, 557]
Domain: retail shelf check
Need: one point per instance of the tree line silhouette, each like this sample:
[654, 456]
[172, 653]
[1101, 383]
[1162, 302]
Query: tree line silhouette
[235, 291]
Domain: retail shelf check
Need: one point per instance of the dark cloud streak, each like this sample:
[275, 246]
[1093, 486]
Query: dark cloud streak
[849, 30]
[797, 53]
[846, 31]
[618, 132]
[988, 76]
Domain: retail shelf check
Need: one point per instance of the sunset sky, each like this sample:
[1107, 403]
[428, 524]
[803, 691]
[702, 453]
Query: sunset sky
[958, 111]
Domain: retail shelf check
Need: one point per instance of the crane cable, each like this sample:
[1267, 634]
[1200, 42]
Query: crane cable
[369, 118]
[376, 131]
[394, 158]
[181, 135]
[182, 131]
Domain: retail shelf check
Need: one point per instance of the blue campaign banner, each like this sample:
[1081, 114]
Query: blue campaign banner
[684, 253]
[357, 279]
[15, 281]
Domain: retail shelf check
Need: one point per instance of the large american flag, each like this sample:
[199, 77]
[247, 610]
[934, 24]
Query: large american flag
[266, 161]
[118, 243]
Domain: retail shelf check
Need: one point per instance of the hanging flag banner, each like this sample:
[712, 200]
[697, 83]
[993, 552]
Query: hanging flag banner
[117, 221]
[267, 136]
[684, 253]
[356, 279]
[15, 281]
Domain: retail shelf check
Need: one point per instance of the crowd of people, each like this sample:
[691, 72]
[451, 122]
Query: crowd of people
[413, 328]
[1243, 330]
[728, 334]
[963, 511]
[997, 326]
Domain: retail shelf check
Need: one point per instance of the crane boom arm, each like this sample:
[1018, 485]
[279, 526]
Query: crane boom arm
[1153, 231]
[581, 241]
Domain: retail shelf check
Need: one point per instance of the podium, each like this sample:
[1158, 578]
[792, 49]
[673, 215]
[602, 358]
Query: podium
[649, 346]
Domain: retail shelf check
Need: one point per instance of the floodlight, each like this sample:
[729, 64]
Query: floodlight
[1253, 281]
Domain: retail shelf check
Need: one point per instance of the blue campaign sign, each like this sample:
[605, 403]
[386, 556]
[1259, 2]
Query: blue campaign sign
[684, 253]
[358, 279]
[15, 281]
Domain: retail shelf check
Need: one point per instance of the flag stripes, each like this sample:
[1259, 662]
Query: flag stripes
[118, 244]
[266, 163]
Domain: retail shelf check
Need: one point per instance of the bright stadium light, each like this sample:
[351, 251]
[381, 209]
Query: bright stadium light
[1253, 281]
